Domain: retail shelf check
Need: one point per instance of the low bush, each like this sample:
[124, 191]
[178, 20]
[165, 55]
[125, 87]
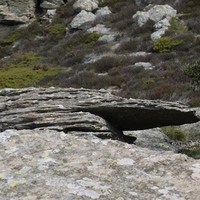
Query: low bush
[58, 30]
[11, 37]
[106, 63]
[194, 102]
[23, 70]
[91, 38]
[194, 24]
[174, 134]
[192, 70]
[176, 25]
[128, 46]
[18, 76]
[165, 44]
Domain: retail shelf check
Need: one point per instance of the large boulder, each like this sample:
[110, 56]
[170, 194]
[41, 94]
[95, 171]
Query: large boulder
[87, 5]
[141, 18]
[16, 12]
[159, 12]
[160, 15]
[82, 20]
[155, 14]
[47, 164]
[102, 12]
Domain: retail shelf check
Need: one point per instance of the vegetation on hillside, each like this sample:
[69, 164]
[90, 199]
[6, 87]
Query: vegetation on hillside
[59, 57]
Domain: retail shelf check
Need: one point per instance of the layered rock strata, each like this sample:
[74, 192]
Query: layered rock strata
[86, 110]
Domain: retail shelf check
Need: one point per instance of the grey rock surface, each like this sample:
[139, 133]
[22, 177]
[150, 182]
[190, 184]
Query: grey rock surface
[58, 144]
[126, 114]
[160, 15]
[82, 20]
[46, 164]
[153, 139]
[87, 5]
[16, 12]
[86, 110]
[102, 12]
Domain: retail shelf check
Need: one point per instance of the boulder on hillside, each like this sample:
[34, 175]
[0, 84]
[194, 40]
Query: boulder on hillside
[87, 5]
[160, 15]
[17, 13]
[82, 20]
[102, 12]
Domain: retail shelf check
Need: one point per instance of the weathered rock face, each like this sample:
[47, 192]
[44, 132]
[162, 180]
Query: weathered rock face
[83, 20]
[55, 147]
[87, 5]
[86, 110]
[46, 164]
[16, 12]
[160, 14]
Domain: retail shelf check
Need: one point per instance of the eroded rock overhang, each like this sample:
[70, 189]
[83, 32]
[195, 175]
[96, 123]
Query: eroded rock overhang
[70, 109]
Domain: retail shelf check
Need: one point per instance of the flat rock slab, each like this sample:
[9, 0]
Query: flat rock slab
[84, 109]
[46, 164]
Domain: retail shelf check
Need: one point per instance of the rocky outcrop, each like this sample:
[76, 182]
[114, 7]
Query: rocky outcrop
[47, 164]
[48, 140]
[82, 20]
[86, 110]
[16, 12]
[160, 15]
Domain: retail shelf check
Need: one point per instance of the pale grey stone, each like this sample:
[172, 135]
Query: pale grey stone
[159, 12]
[145, 65]
[141, 18]
[157, 34]
[49, 164]
[99, 28]
[108, 38]
[103, 12]
[82, 20]
[87, 5]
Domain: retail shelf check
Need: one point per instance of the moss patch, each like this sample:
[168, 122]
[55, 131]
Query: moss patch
[25, 70]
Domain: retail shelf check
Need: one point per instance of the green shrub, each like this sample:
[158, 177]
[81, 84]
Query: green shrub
[24, 70]
[192, 70]
[194, 102]
[194, 153]
[12, 37]
[174, 134]
[176, 25]
[18, 76]
[91, 38]
[57, 30]
[24, 60]
[165, 44]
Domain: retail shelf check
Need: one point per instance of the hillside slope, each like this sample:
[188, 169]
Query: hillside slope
[107, 51]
